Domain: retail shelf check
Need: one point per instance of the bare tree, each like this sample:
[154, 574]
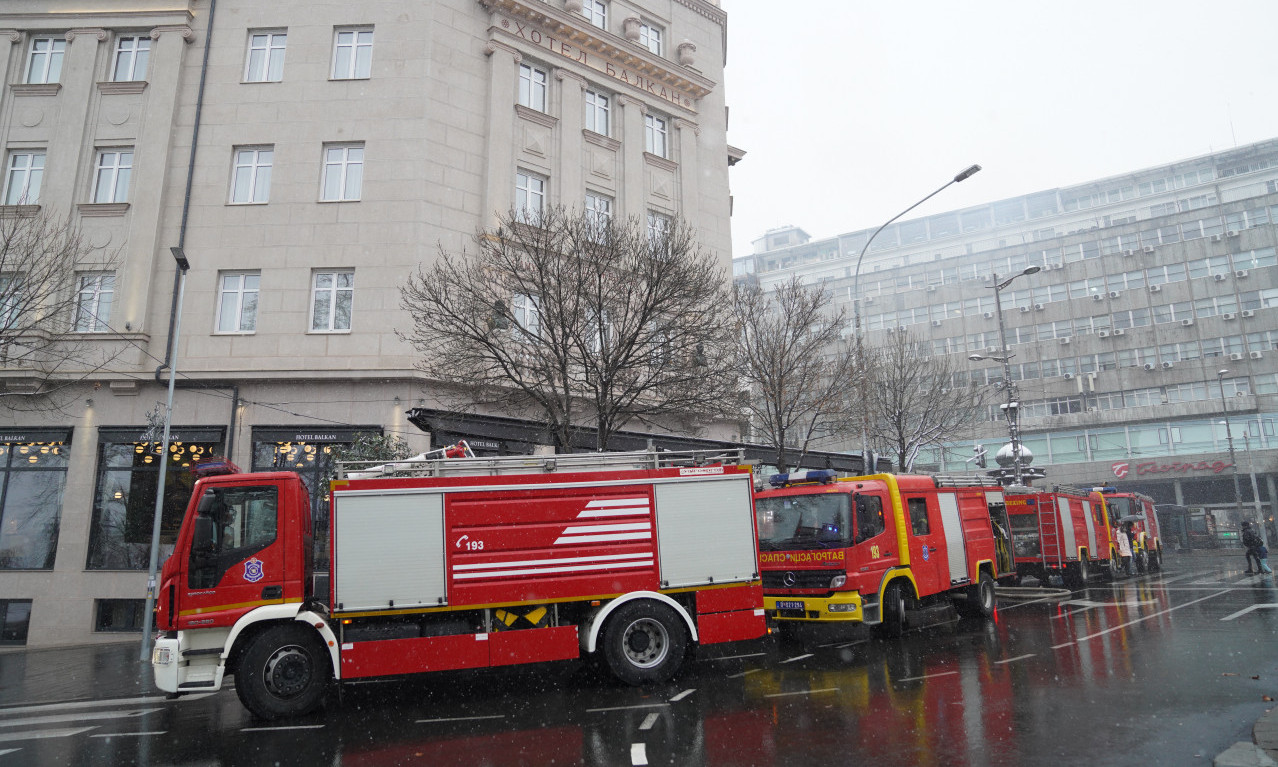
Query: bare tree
[40, 359]
[798, 369]
[913, 401]
[579, 321]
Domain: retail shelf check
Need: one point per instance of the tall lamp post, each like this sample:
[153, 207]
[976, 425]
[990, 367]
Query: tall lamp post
[1012, 407]
[1233, 464]
[963, 175]
[147, 611]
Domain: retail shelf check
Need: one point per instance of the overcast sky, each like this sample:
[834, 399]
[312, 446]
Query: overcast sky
[851, 111]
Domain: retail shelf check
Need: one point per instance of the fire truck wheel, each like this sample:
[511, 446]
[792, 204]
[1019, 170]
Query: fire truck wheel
[1156, 560]
[283, 672]
[895, 622]
[644, 642]
[1115, 568]
[979, 601]
[1142, 561]
[1077, 575]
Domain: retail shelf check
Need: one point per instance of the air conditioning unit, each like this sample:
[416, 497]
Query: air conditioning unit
[1103, 334]
[1097, 297]
[1235, 356]
[900, 328]
[1229, 316]
[1038, 307]
[989, 315]
[1241, 274]
[936, 323]
[1147, 249]
[1155, 288]
[1024, 309]
[1216, 238]
[993, 350]
[869, 299]
[1248, 313]
[1065, 339]
[1231, 233]
[1091, 410]
[1187, 322]
[1114, 294]
[1129, 252]
[1119, 332]
[890, 330]
[931, 288]
[1254, 355]
[1218, 277]
[1149, 366]
[1167, 365]
[1069, 376]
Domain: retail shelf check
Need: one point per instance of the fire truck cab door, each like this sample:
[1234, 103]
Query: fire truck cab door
[927, 544]
[948, 503]
[1091, 529]
[1065, 522]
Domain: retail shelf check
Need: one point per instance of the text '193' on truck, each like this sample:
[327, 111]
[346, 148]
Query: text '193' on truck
[878, 548]
[458, 563]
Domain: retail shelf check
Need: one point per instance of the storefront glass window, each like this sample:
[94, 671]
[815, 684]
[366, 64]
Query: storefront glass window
[32, 477]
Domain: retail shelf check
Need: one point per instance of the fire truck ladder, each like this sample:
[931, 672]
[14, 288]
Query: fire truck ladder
[433, 465]
[1049, 534]
[962, 480]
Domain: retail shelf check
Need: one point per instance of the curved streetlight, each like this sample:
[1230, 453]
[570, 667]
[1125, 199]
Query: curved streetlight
[962, 175]
[1233, 464]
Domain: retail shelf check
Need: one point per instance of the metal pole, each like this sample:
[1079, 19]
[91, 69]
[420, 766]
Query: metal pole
[147, 610]
[1229, 439]
[1013, 405]
[1255, 490]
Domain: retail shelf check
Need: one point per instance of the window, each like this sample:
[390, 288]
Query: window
[530, 197]
[32, 477]
[118, 615]
[251, 181]
[654, 135]
[596, 11]
[331, 297]
[343, 172]
[527, 312]
[111, 175]
[650, 37]
[237, 302]
[532, 87]
[659, 226]
[265, 63]
[918, 516]
[93, 302]
[23, 177]
[15, 617]
[598, 211]
[240, 521]
[597, 112]
[869, 517]
[12, 288]
[131, 56]
[352, 54]
[44, 64]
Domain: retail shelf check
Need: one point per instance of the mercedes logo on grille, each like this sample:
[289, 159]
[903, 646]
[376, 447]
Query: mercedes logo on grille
[789, 579]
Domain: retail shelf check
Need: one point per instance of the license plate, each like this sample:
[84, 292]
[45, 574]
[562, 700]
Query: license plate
[161, 656]
[789, 604]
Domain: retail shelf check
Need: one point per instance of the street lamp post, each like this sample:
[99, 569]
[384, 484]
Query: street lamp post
[963, 175]
[147, 610]
[1255, 491]
[1233, 464]
[1012, 407]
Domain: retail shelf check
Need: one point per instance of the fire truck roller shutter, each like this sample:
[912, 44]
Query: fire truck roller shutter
[691, 515]
[388, 549]
[1066, 525]
[953, 536]
[1091, 528]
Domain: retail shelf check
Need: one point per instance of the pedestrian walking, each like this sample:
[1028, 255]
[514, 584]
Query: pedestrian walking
[1124, 548]
[1256, 550]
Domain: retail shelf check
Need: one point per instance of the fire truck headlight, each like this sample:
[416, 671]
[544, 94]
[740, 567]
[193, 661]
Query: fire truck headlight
[843, 608]
[838, 581]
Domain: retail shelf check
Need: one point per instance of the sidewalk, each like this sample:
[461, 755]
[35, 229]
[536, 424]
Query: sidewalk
[61, 674]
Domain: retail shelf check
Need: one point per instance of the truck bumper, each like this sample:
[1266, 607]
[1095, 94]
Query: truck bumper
[840, 607]
[176, 671]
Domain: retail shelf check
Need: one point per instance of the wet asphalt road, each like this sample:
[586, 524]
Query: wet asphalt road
[1168, 669]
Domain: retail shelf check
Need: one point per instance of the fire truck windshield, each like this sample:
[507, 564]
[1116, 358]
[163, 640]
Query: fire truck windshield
[1121, 507]
[804, 521]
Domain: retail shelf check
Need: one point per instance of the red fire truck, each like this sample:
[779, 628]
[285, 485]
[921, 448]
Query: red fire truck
[873, 549]
[1063, 532]
[466, 563]
[1137, 510]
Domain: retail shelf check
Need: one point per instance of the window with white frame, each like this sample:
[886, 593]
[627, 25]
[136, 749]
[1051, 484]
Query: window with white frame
[11, 290]
[94, 294]
[343, 172]
[352, 54]
[659, 226]
[251, 177]
[598, 211]
[598, 109]
[237, 302]
[532, 87]
[650, 37]
[526, 310]
[131, 56]
[530, 197]
[44, 61]
[596, 12]
[654, 135]
[22, 178]
[265, 61]
[111, 175]
[332, 293]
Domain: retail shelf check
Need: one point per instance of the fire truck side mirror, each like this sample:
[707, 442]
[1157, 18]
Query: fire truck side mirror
[202, 534]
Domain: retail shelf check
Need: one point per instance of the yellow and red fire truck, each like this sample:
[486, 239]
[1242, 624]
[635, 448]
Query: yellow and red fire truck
[464, 563]
[873, 549]
[1062, 532]
[1137, 511]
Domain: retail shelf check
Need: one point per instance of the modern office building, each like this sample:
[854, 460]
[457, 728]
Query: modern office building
[306, 157]
[1148, 339]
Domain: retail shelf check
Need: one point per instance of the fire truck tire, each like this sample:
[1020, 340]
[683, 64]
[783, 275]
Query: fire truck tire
[284, 672]
[1115, 568]
[1142, 561]
[895, 622]
[1156, 560]
[644, 643]
[980, 599]
[1077, 575]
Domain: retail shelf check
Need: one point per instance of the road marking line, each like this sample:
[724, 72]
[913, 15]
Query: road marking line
[927, 676]
[1059, 646]
[63, 718]
[1013, 660]
[9, 751]
[127, 734]
[801, 692]
[5, 710]
[735, 657]
[626, 708]
[282, 728]
[1246, 610]
[66, 732]
[638, 754]
[744, 673]
[1147, 617]
[648, 722]
[460, 719]
[797, 657]
[683, 695]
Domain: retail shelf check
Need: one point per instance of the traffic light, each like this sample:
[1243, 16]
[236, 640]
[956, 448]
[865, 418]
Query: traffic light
[979, 452]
